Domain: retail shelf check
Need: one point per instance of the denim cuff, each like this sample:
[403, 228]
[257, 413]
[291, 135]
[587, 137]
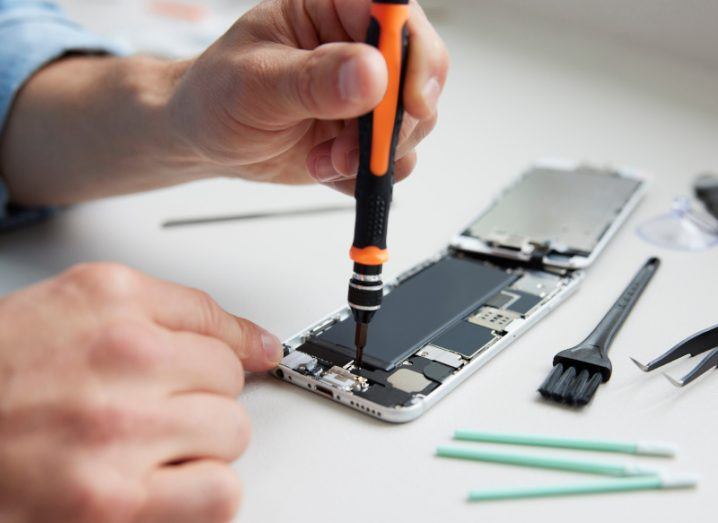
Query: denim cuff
[33, 34]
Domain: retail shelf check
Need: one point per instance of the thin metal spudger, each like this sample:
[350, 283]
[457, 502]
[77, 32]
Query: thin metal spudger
[693, 345]
[204, 220]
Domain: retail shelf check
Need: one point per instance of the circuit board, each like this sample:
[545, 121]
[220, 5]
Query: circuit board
[433, 322]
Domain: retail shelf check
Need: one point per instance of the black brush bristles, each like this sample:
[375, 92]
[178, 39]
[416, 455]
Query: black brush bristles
[571, 385]
[577, 372]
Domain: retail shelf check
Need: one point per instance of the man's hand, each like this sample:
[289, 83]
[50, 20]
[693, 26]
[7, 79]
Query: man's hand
[117, 400]
[275, 99]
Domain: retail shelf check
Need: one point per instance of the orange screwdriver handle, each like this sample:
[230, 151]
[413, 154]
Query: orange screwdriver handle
[378, 134]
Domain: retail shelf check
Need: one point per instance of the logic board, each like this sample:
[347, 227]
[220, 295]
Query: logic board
[435, 321]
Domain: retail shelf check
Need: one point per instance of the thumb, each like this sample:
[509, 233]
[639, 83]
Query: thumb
[331, 82]
[257, 349]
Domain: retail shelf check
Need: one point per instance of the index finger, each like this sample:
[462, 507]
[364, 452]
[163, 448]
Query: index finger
[190, 310]
[427, 66]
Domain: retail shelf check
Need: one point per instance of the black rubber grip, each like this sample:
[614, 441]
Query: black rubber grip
[374, 193]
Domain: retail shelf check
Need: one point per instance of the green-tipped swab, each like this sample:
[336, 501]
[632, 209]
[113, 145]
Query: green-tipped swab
[647, 448]
[602, 487]
[545, 462]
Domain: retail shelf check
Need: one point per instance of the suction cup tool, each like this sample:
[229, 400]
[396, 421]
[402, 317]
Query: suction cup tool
[683, 228]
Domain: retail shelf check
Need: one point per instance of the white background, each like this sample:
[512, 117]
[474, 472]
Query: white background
[524, 84]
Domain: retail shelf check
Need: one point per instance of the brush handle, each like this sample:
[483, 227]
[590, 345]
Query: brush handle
[602, 336]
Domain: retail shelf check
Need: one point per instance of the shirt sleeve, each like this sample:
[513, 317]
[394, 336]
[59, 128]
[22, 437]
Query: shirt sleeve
[33, 34]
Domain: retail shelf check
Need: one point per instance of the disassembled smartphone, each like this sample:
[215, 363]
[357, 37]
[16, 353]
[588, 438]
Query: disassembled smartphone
[446, 317]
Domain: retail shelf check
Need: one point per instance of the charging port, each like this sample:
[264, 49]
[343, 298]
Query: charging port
[325, 390]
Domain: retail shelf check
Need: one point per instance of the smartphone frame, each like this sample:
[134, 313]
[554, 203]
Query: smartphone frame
[420, 404]
[571, 276]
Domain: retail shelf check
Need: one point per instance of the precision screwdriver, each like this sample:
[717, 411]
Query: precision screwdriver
[378, 134]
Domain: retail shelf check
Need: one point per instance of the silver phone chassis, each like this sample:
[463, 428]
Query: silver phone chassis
[556, 276]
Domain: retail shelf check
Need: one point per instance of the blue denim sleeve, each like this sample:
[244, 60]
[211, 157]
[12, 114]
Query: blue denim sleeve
[33, 34]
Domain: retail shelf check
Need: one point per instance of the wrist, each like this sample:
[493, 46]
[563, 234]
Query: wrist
[86, 127]
[150, 85]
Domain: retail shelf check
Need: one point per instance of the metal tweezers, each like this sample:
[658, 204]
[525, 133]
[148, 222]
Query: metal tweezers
[700, 342]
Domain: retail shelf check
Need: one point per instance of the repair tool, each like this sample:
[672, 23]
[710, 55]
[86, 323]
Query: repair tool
[618, 485]
[643, 448]
[259, 215]
[700, 342]
[545, 462]
[578, 371]
[686, 227]
[691, 224]
[378, 134]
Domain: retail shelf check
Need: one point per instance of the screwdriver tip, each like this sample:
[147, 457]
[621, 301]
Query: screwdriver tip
[360, 334]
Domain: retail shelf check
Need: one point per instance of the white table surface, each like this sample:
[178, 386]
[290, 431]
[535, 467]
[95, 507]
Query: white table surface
[520, 88]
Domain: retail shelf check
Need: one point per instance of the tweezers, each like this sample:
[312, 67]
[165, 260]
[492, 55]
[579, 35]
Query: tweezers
[700, 342]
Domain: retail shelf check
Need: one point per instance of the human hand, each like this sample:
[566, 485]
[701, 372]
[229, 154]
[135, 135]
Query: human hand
[117, 400]
[277, 97]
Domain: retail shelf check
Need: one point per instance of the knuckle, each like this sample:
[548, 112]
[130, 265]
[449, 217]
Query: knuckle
[305, 83]
[89, 499]
[94, 425]
[106, 280]
[210, 313]
[225, 497]
[226, 365]
[249, 340]
[126, 345]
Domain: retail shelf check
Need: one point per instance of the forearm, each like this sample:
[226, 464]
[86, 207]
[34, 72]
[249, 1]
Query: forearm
[91, 126]
[271, 100]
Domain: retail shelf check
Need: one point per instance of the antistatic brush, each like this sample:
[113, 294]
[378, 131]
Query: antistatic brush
[578, 371]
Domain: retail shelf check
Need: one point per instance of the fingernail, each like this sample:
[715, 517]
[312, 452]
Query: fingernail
[272, 347]
[431, 93]
[353, 161]
[324, 170]
[349, 87]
